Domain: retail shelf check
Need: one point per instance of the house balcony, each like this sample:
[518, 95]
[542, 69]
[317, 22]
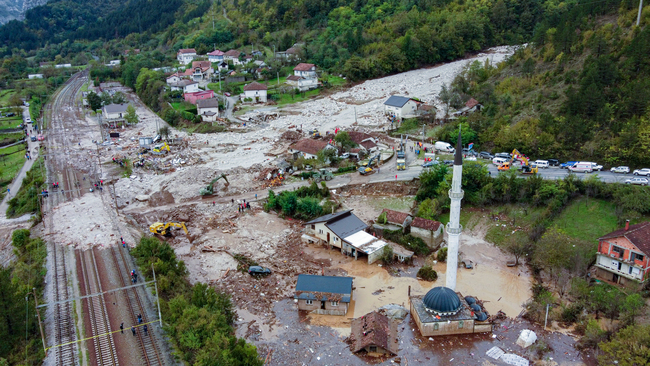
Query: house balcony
[627, 275]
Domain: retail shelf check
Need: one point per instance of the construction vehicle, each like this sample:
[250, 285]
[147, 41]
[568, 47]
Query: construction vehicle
[314, 134]
[162, 228]
[139, 163]
[365, 170]
[401, 155]
[526, 166]
[322, 175]
[372, 161]
[160, 149]
[529, 169]
[209, 189]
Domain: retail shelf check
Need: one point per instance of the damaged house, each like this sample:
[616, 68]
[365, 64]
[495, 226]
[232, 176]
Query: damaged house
[328, 295]
[376, 334]
[428, 230]
[309, 148]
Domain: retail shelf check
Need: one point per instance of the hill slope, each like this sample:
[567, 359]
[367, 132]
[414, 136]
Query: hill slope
[15, 9]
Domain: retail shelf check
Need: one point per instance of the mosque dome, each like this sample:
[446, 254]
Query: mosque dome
[442, 301]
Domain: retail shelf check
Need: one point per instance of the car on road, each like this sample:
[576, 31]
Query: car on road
[644, 171]
[469, 152]
[33, 138]
[10, 114]
[568, 164]
[485, 155]
[638, 181]
[226, 94]
[431, 163]
[28, 120]
[553, 162]
[502, 155]
[40, 137]
[258, 270]
[542, 163]
[620, 169]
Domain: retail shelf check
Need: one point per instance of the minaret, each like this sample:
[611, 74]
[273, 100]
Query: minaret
[453, 227]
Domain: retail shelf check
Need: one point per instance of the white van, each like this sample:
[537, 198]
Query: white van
[594, 166]
[444, 147]
[542, 163]
[582, 167]
[499, 161]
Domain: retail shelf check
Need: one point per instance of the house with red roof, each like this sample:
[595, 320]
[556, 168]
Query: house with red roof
[255, 91]
[309, 148]
[186, 55]
[304, 77]
[623, 254]
[215, 56]
[199, 95]
[376, 334]
[232, 55]
[201, 70]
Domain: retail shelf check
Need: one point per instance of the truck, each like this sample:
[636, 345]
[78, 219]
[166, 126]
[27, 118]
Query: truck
[401, 156]
[444, 147]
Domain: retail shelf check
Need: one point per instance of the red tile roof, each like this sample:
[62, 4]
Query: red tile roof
[201, 64]
[425, 224]
[368, 145]
[294, 77]
[232, 53]
[216, 53]
[373, 329]
[303, 67]
[638, 234]
[255, 86]
[471, 103]
[357, 136]
[309, 146]
[187, 50]
[395, 216]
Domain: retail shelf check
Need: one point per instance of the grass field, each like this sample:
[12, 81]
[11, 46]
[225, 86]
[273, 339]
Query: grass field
[513, 220]
[11, 160]
[11, 122]
[4, 97]
[182, 106]
[587, 220]
[403, 204]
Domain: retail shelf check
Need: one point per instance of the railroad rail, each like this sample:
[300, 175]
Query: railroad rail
[150, 352]
[104, 345]
[64, 329]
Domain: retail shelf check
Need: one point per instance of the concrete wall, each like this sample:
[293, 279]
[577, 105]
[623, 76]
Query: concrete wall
[373, 257]
[334, 240]
[432, 238]
[302, 305]
[253, 94]
[380, 351]
[612, 265]
[315, 307]
[444, 328]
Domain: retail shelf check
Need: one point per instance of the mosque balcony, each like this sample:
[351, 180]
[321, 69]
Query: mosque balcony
[453, 230]
[456, 195]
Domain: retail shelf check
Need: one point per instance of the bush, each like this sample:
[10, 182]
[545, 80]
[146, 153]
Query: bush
[387, 256]
[427, 273]
[441, 256]
[382, 218]
[571, 313]
[410, 242]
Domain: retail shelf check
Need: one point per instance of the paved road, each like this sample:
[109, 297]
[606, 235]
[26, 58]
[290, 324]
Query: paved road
[14, 187]
[557, 173]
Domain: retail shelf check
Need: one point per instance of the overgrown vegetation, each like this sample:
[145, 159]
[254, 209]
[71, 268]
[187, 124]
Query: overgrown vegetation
[27, 199]
[198, 318]
[304, 203]
[427, 273]
[18, 279]
[408, 241]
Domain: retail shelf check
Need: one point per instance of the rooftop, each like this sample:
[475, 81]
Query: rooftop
[116, 108]
[638, 234]
[183, 83]
[201, 64]
[425, 224]
[471, 103]
[187, 50]
[329, 217]
[397, 101]
[374, 329]
[207, 103]
[332, 288]
[465, 312]
[232, 53]
[309, 146]
[304, 67]
[365, 242]
[255, 86]
[395, 216]
[346, 225]
[216, 53]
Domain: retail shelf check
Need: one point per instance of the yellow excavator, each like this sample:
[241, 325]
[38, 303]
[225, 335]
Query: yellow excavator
[526, 167]
[162, 228]
[160, 148]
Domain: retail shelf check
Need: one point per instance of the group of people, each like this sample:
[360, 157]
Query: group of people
[133, 330]
[134, 276]
[45, 193]
[55, 185]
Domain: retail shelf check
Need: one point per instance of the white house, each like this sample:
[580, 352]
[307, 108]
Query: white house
[400, 107]
[201, 70]
[186, 86]
[306, 71]
[114, 111]
[215, 56]
[332, 229]
[63, 66]
[208, 109]
[174, 78]
[232, 55]
[35, 76]
[255, 91]
[309, 148]
[114, 63]
[186, 55]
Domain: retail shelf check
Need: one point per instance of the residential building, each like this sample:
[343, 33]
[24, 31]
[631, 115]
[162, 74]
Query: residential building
[331, 229]
[328, 295]
[114, 111]
[365, 141]
[395, 220]
[112, 63]
[186, 86]
[376, 334]
[174, 78]
[201, 94]
[63, 66]
[255, 91]
[401, 107]
[232, 55]
[290, 54]
[471, 106]
[35, 76]
[186, 55]
[428, 230]
[309, 148]
[307, 71]
[623, 255]
[201, 70]
[215, 56]
[44, 64]
[442, 312]
[208, 109]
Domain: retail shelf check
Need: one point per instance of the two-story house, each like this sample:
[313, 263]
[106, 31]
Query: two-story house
[186, 86]
[215, 56]
[232, 55]
[201, 70]
[186, 55]
[623, 254]
[401, 107]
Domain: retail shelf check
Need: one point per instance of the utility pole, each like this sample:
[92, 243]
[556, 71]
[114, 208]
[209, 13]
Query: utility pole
[40, 326]
[278, 72]
[638, 17]
[355, 114]
[155, 284]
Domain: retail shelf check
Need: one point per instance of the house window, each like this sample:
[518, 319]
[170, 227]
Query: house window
[373, 348]
[460, 324]
[320, 231]
[436, 326]
[336, 303]
[618, 250]
[309, 302]
[336, 238]
[313, 227]
[637, 257]
[630, 269]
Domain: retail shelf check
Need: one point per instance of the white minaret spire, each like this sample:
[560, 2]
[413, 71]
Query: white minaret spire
[453, 227]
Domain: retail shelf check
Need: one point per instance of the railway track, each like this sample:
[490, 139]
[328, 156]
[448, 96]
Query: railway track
[148, 344]
[104, 345]
[64, 334]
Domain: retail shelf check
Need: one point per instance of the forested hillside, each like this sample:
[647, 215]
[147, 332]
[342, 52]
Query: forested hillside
[580, 91]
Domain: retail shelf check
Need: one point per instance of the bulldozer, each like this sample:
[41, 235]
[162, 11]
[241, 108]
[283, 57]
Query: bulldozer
[314, 134]
[160, 148]
[209, 189]
[163, 229]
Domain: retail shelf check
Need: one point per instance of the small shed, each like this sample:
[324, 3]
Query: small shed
[374, 333]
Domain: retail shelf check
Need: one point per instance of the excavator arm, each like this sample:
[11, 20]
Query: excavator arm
[161, 228]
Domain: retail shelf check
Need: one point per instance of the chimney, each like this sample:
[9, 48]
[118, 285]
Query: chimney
[627, 225]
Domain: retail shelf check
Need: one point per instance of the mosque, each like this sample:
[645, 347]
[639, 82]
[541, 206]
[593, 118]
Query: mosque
[442, 310]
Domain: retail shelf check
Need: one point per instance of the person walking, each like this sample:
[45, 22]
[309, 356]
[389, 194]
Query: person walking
[133, 330]
[256, 196]
[122, 328]
[139, 318]
[145, 330]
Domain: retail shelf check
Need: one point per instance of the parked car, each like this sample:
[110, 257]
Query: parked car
[582, 167]
[498, 161]
[469, 152]
[444, 147]
[28, 120]
[33, 138]
[638, 181]
[542, 163]
[553, 162]
[227, 94]
[258, 270]
[485, 155]
[502, 155]
[40, 137]
[644, 171]
[568, 164]
[431, 163]
[620, 169]
[344, 156]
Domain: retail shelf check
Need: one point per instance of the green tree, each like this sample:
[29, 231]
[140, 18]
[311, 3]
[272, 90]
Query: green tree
[94, 101]
[131, 116]
[343, 139]
[518, 247]
[629, 347]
